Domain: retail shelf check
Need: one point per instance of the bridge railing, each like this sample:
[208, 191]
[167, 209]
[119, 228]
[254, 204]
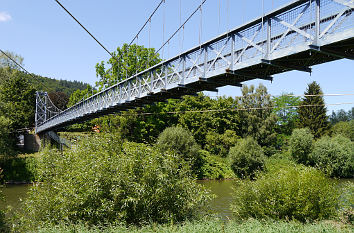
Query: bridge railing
[285, 31]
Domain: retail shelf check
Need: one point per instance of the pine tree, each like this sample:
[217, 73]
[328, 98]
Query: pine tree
[314, 116]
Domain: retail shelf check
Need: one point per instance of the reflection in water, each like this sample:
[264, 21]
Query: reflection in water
[223, 191]
[13, 194]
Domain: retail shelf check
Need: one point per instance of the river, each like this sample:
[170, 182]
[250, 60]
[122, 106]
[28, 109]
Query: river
[220, 205]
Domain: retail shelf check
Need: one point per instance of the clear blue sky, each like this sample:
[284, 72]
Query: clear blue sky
[53, 45]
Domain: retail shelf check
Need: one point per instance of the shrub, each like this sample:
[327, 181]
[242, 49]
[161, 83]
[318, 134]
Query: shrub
[290, 193]
[220, 144]
[213, 167]
[6, 139]
[179, 140]
[103, 180]
[335, 156]
[344, 128]
[19, 168]
[301, 145]
[246, 158]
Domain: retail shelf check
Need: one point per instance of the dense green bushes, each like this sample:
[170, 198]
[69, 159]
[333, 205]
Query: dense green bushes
[103, 180]
[179, 140]
[213, 167]
[220, 144]
[6, 141]
[344, 128]
[19, 169]
[301, 145]
[290, 192]
[247, 158]
[335, 156]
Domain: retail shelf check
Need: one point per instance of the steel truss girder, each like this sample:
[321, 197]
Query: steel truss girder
[288, 67]
[330, 52]
[225, 60]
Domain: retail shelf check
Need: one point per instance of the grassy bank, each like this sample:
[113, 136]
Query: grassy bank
[213, 226]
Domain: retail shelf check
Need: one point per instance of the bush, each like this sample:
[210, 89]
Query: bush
[22, 169]
[179, 140]
[103, 180]
[247, 158]
[6, 140]
[334, 156]
[220, 144]
[301, 145]
[344, 128]
[289, 193]
[213, 167]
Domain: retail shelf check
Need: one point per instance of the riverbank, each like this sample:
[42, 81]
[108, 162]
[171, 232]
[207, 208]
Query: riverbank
[213, 226]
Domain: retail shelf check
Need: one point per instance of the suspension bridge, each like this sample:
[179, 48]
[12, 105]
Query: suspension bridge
[296, 36]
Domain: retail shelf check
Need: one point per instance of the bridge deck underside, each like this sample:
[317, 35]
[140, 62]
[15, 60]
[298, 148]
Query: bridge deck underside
[290, 38]
[344, 49]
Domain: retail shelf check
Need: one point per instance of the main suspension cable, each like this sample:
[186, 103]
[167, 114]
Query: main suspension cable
[67, 11]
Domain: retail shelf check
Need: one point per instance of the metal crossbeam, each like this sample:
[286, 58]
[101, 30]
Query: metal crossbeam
[289, 38]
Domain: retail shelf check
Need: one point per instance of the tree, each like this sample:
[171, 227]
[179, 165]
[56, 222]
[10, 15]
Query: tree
[179, 140]
[6, 141]
[203, 115]
[312, 114]
[301, 141]
[17, 98]
[247, 158]
[341, 115]
[6, 62]
[131, 60]
[287, 115]
[80, 95]
[257, 118]
[59, 99]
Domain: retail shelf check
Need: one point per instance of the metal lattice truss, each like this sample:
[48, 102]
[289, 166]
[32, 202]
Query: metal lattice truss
[294, 37]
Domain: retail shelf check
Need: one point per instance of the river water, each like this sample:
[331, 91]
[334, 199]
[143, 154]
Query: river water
[220, 205]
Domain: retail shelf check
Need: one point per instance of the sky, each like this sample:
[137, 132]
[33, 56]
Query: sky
[53, 44]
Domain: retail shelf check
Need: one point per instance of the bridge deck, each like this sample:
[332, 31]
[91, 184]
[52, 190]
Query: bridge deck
[295, 37]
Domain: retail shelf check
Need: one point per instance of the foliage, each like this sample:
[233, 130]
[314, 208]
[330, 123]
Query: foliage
[80, 95]
[257, 123]
[247, 158]
[334, 156]
[289, 193]
[3, 223]
[312, 114]
[344, 128]
[210, 226]
[220, 144]
[19, 168]
[341, 115]
[6, 141]
[17, 98]
[213, 167]
[179, 140]
[103, 181]
[6, 62]
[202, 115]
[127, 61]
[59, 99]
[300, 143]
[287, 115]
